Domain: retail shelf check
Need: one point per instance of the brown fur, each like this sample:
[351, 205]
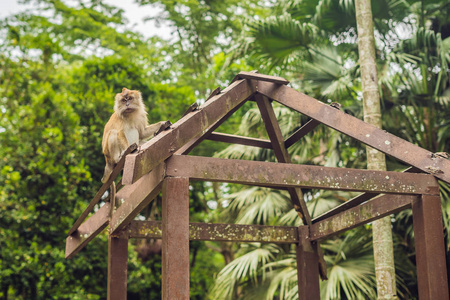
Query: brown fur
[127, 125]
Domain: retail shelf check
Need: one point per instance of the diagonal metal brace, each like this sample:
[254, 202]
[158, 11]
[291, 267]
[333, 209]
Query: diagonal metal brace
[278, 144]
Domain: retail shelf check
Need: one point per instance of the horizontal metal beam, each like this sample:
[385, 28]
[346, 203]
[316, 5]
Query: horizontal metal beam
[87, 231]
[117, 169]
[184, 130]
[218, 232]
[291, 175]
[373, 210]
[235, 139]
[366, 133]
[133, 198]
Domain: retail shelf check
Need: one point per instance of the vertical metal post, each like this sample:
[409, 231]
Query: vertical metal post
[430, 251]
[175, 239]
[307, 267]
[117, 268]
[117, 258]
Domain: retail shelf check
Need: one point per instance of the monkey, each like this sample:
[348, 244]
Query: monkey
[127, 125]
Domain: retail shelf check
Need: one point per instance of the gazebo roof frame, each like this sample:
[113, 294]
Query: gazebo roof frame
[162, 164]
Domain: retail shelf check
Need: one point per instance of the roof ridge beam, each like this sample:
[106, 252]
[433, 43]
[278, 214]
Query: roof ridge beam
[256, 76]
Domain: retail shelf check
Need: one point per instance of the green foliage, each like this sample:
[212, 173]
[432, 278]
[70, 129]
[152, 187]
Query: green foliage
[58, 78]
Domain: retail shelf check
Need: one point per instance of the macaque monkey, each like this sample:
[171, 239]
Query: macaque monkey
[127, 125]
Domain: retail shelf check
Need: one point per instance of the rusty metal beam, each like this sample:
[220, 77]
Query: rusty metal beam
[117, 268]
[368, 134]
[256, 76]
[276, 138]
[277, 175]
[372, 210]
[282, 155]
[235, 139]
[363, 198]
[430, 248]
[133, 198]
[175, 239]
[219, 232]
[186, 148]
[87, 231]
[117, 169]
[301, 132]
[272, 128]
[184, 130]
[307, 271]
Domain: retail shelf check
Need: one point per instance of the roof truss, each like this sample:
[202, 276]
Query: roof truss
[155, 167]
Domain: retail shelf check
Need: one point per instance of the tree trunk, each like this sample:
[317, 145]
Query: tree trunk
[382, 232]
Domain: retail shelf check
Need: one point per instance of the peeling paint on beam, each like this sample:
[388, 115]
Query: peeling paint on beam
[278, 175]
[219, 232]
[359, 215]
[187, 128]
[133, 198]
[366, 133]
[87, 231]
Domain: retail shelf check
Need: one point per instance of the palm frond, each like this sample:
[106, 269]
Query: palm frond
[276, 40]
[243, 268]
[257, 205]
[350, 267]
[284, 282]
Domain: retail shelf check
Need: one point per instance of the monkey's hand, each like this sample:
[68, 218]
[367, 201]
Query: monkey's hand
[164, 125]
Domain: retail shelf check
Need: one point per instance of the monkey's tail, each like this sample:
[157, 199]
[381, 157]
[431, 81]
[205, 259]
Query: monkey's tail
[108, 170]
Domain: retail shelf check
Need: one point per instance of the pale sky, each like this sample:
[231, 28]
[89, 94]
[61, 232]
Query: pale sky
[134, 13]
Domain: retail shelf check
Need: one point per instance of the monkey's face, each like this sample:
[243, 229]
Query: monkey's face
[128, 101]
